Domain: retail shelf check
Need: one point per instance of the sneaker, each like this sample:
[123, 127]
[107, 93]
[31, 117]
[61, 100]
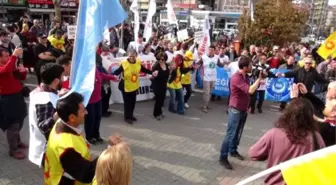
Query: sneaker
[260, 111]
[226, 164]
[92, 141]
[17, 155]
[208, 107]
[158, 118]
[99, 139]
[237, 155]
[186, 106]
[205, 110]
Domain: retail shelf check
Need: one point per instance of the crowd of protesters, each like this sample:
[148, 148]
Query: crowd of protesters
[48, 53]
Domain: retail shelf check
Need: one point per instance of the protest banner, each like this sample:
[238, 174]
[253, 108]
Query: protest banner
[278, 89]
[71, 31]
[144, 91]
[221, 87]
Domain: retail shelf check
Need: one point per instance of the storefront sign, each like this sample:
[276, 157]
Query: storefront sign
[13, 2]
[68, 4]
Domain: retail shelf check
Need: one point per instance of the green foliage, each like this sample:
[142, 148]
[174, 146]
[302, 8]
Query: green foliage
[276, 22]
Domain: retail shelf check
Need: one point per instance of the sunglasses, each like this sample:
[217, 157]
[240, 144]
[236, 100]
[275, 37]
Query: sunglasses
[161, 59]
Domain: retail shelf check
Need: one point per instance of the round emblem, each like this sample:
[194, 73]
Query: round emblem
[212, 65]
[59, 46]
[278, 87]
[134, 78]
[330, 45]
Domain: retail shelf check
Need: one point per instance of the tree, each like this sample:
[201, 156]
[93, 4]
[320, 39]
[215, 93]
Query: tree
[57, 6]
[276, 22]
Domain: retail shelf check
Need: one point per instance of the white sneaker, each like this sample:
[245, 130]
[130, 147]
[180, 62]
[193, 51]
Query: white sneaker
[186, 106]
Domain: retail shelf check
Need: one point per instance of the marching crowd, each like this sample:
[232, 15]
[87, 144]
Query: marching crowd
[58, 145]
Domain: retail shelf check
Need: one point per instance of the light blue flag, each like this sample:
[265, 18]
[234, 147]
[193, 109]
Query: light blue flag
[94, 16]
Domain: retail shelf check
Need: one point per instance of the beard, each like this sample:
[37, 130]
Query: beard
[59, 86]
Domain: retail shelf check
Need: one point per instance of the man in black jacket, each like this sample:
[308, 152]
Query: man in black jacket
[306, 75]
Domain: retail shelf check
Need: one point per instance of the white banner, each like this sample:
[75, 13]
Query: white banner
[144, 92]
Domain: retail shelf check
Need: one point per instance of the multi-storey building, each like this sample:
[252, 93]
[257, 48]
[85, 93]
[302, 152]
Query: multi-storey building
[331, 18]
[317, 13]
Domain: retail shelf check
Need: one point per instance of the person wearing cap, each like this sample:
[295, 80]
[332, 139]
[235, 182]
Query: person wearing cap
[57, 40]
[43, 54]
[186, 78]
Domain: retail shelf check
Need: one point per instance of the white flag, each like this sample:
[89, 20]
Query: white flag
[171, 14]
[251, 7]
[135, 9]
[205, 44]
[150, 14]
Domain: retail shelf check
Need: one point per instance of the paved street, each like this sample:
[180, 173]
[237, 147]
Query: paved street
[180, 150]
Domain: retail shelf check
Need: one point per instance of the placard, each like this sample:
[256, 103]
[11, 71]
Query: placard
[71, 31]
[182, 35]
[198, 36]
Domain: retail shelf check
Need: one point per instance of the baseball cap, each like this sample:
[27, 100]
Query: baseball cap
[41, 35]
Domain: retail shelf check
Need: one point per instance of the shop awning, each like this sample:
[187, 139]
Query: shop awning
[13, 7]
[41, 10]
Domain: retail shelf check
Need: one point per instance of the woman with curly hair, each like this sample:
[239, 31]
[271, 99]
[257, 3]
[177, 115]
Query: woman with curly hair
[295, 134]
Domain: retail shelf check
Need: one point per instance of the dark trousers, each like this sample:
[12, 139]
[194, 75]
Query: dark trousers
[129, 103]
[13, 135]
[188, 94]
[261, 95]
[160, 95]
[106, 94]
[92, 120]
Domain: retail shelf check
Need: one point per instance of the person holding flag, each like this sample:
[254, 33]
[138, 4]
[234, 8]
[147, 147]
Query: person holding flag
[130, 83]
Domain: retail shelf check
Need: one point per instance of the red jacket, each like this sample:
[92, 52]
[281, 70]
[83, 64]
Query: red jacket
[9, 84]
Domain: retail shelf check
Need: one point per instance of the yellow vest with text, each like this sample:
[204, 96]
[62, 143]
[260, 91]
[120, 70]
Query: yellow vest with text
[176, 84]
[186, 78]
[131, 75]
[57, 144]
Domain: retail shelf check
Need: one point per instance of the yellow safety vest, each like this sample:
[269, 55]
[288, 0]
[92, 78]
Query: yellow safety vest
[57, 43]
[131, 75]
[57, 144]
[186, 78]
[176, 84]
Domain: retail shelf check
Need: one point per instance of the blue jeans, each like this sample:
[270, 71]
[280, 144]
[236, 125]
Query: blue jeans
[176, 95]
[234, 131]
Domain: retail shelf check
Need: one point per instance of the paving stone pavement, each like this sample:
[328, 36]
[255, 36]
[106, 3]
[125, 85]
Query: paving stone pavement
[179, 150]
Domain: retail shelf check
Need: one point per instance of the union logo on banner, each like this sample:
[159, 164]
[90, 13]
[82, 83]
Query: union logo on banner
[330, 45]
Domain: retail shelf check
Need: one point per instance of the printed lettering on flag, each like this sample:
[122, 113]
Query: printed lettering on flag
[278, 89]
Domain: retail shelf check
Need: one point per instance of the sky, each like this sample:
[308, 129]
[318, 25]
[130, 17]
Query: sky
[332, 2]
